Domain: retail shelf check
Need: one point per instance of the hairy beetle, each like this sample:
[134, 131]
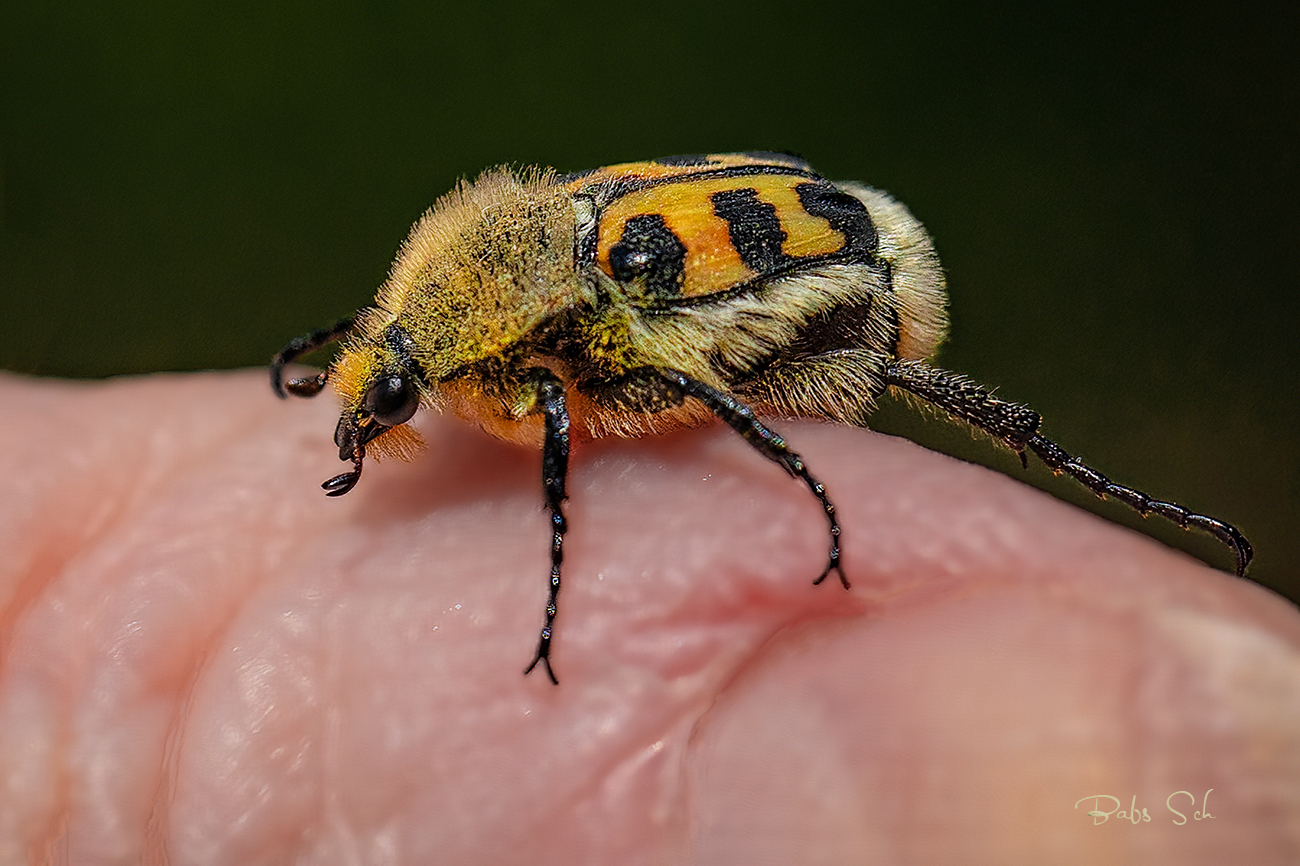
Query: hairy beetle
[648, 296]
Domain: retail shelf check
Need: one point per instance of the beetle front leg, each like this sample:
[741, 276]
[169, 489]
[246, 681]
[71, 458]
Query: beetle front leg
[300, 346]
[555, 469]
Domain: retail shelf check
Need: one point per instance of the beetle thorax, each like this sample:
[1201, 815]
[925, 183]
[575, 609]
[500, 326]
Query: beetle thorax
[488, 265]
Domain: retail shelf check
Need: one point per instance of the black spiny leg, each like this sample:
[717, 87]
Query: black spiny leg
[1017, 426]
[301, 346]
[555, 467]
[741, 418]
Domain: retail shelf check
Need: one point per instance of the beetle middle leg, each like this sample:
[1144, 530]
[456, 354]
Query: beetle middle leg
[741, 418]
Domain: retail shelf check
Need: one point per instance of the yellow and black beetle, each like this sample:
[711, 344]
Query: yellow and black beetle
[648, 296]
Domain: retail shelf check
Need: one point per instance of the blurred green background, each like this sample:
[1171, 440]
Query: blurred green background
[1113, 191]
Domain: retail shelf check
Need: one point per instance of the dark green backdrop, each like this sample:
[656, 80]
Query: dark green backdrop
[1113, 193]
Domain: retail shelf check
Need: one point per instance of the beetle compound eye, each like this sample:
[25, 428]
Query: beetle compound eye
[391, 401]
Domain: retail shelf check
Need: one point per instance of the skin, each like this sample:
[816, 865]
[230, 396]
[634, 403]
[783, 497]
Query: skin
[205, 660]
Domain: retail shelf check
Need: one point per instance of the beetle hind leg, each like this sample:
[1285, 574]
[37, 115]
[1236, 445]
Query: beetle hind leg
[1017, 427]
[1059, 460]
[840, 385]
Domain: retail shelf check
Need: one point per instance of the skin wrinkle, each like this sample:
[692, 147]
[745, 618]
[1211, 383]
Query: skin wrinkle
[113, 513]
[52, 560]
[123, 509]
[156, 833]
[688, 600]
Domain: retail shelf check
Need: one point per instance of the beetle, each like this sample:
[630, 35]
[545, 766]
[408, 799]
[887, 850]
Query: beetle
[642, 297]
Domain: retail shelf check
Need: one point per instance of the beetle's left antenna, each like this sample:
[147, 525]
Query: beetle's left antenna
[301, 346]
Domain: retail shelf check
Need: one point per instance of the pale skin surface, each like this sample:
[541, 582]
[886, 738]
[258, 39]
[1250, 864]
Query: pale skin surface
[204, 660]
